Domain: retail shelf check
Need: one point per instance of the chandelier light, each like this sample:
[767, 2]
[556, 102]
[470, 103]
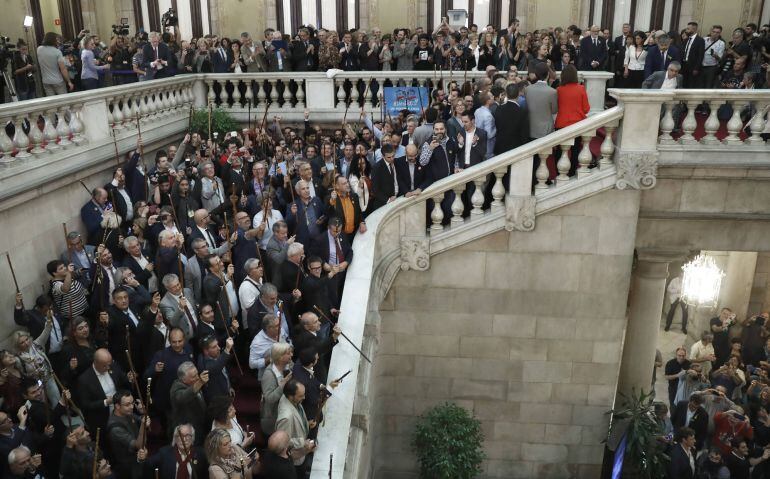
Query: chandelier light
[701, 282]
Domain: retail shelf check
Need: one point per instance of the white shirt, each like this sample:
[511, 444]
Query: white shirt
[468, 146]
[108, 385]
[55, 339]
[635, 60]
[132, 317]
[668, 83]
[127, 199]
[191, 310]
[232, 296]
[247, 294]
[208, 237]
[718, 48]
[690, 414]
[674, 289]
[272, 219]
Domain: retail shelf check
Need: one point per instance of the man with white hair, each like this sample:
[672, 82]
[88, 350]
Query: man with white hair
[178, 306]
[172, 460]
[248, 292]
[305, 217]
[22, 463]
[156, 57]
[278, 54]
[187, 403]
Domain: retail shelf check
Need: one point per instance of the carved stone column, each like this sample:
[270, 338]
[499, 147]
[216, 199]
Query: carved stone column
[637, 171]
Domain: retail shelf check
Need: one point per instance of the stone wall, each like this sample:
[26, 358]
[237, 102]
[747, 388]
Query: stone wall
[524, 330]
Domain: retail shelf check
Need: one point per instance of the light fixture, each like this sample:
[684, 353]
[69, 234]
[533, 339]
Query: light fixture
[701, 282]
[28, 21]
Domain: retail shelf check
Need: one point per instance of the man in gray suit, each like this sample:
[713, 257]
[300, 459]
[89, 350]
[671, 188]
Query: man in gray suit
[81, 255]
[542, 106]
[179, 307]
[665, 80]
[195, 269]
[293, 421]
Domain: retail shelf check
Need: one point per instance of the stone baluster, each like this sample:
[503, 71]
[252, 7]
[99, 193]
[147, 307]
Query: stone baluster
[711, 126]
[341, 92]
[498, 191]
[136, 110]
[126, 111]
[159, 108]
[285, 95]
[236, 94]
[689, 124]
[300, 94]
[735, 124]
[63, 129]
[165, 101]
[20, 139]
[608, 147]
[173, 98]
[76, 125]
[35, 136]
[249, 95]
[585, 157]
[110, 117]
[6, 145]
[564, 164]
[211, 97]
[354, 94]
[542, 170]
[368, 93]
[49, 131]
[437, 215]
[457, 205]
[261, 94]
[144, 107]
[273, 91]
[667, 124]
[117, 114]
[757, 124]
[477, 198]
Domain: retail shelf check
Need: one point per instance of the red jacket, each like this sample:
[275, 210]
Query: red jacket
[573, 104]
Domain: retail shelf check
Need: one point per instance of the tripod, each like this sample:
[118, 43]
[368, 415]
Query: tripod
[9, 84]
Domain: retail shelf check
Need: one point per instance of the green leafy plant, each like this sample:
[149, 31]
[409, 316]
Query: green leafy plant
[221, 121]
[644, 455]
[448, 441]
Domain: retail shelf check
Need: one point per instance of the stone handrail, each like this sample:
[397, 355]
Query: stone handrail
[397, 238]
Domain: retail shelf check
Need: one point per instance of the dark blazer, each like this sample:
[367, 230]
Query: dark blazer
[320, 247]
[148, 56]
[214, 294]
[654, 61]
[117, 336]
[512, 123]
[34, 321]
[312, 388]
[679, 467]
[135, 181]
[655, 81]
[196, 233]
[90, 396]
[141, 274]
[92, 218]
[694, 61]
[441, 164]
[187, 406]
[219, 384]
[349, 60]
[478, 151]
[699, 422]
[405, 181]
[165, 461]
[297, 222]
[117, 200]
[221, 64]
[303, 339]
[382, 184]
[590, 52]
[271, 56]
[301, 60]
[335, 210]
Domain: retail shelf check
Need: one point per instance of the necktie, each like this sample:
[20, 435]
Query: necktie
[687, 50]
[182, 471]
[340, 255]
[156, 53]
[210, 238]
[393, 174]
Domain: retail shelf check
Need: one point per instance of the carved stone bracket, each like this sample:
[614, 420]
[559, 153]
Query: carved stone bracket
[415, 253]
[637, 171]
[520, 213]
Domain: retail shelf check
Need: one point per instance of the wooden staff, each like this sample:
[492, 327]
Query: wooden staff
[342, 334]
[71, 405]
[69, 254]
[157, 473]
[299, 273]
[190, 121]
[419, 96]
[331, 463]
[146, 415]
[95, 468]
[441, 81]
[209, 119]
[227, 330]
[234, 202]
[248, 117]
[178, 226]
[141, 154]
[84, 186]
[13, 273]
[131, 363]
[465, 73]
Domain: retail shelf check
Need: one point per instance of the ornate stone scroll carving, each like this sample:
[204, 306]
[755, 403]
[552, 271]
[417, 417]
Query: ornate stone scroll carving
[415, 254]
[520, 213]
[637, 171]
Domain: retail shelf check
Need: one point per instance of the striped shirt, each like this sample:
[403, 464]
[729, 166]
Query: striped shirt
[76, 296]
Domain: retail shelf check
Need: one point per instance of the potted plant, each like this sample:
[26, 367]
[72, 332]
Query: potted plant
[221, 121]
[644, 455]
[448, 442]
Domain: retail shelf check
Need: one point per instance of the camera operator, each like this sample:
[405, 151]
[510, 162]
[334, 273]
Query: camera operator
[53, 67]
[120, 61]
[186, 58]
[23, 72]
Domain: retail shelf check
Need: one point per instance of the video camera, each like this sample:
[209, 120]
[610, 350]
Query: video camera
[7, 49]
[169, 19]
[121, 29]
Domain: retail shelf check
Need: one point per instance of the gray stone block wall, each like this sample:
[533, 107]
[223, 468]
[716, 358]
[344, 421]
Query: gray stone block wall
[524, 330]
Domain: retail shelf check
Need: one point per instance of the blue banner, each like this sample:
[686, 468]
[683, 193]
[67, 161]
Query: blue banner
[397, 98]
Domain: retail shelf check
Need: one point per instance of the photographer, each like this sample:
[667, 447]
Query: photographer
[53, 67]
[186, 58]
[120, 61]
[23, 72]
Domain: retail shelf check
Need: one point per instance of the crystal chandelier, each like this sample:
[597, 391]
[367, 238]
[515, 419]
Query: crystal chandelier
[701, 281]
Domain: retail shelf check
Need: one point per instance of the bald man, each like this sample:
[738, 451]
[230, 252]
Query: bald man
[276, 461]
[409, 172]
[96, 388]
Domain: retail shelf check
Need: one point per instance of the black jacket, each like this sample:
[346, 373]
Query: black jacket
[512, 123]
[91, 396]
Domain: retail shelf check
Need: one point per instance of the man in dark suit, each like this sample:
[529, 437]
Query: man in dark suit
[682, 455]
[95, 389]
[221, 59]
[278, 54]
[306, 214]
[593, 51]
[156, 57]
[618, 47]
[336, 253]
[124, 320]
[120, 198]
[79, 254]
[136, 181]
[409, 170]
[691, 414]
[312, 334]
[349, 59]
[471, 143]
[342, 202]
[384, 179]
[217, 288]
[438, 157]
[214, 361]
[512, 122]
[138, 261]
[34, 320]
[92, 214]
[187, 403]
[171, 460]
[660, 56]
[692, 59]
[304, 52]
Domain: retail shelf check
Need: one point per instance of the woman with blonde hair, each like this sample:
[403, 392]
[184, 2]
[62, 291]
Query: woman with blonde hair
[276, 375]
[225, 460]
[34, 362]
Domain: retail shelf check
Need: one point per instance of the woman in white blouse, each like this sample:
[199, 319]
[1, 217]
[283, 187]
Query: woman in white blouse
[272, 218]
[222, 411]
[636, 55]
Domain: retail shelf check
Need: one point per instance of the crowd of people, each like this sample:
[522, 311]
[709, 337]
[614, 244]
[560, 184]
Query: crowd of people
[715, 424]
[229, 254]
